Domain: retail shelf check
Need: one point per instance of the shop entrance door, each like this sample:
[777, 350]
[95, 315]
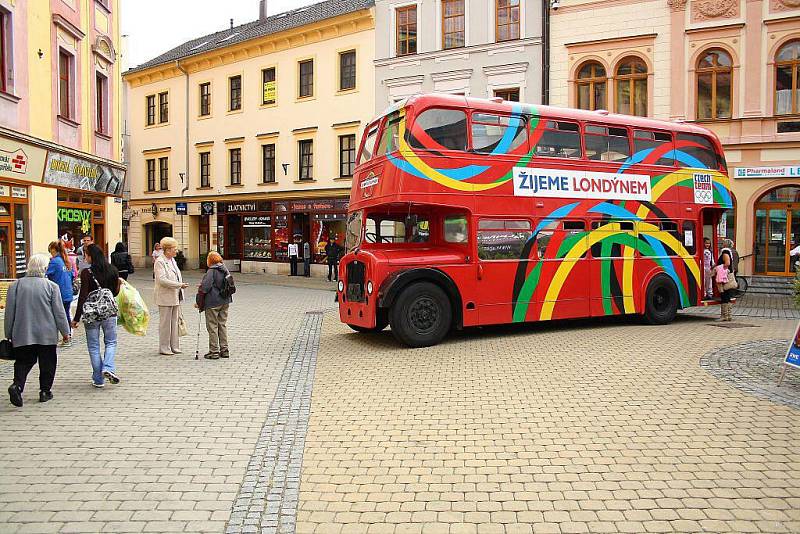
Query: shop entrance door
[6, 258]
[777, 233]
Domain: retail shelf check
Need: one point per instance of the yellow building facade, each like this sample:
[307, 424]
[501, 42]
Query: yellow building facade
[244, 141]
[60, 126]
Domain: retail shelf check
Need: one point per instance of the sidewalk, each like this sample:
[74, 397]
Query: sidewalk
[765, 306]
[270, 279]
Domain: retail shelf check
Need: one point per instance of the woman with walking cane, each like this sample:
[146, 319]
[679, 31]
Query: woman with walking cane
[214, 297]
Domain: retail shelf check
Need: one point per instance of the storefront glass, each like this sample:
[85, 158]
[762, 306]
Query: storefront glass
[257, 234]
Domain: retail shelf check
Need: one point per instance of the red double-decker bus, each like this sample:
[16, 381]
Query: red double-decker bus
[468, 212]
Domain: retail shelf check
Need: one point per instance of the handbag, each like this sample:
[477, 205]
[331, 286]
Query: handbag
[731, 283]
[6, 350]
[183, 330]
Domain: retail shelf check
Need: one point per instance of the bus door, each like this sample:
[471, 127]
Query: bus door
[501, 247]
[612, 268]
[564, 284]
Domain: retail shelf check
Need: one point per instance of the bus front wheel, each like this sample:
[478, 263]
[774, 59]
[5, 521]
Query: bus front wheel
[661, 303]
[421, 316]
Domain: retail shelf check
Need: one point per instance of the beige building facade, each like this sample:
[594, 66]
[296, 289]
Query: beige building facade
[244, 141]
[729, 65]
[60, 127]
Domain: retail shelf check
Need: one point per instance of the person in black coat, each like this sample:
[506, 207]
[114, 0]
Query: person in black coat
[333, 251]
[122, 261]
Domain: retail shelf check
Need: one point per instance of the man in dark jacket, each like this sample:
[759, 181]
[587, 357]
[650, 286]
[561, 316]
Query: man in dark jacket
[122, 261]
[307, 258]
[332, 251]
[210, 299]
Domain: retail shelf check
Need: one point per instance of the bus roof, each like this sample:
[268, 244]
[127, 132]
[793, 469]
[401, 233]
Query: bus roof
[427, 100]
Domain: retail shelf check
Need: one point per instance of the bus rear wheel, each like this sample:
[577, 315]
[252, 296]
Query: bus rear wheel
[661, 304]
[421, 316]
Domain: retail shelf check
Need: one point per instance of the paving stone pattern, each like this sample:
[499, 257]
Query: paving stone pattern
[267, 500]
[754, 305]
[589, 426]
[168, 448]
[754, 367]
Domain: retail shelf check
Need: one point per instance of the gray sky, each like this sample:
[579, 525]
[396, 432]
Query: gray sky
[155, 26]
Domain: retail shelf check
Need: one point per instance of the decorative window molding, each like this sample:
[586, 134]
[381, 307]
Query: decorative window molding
[68, 27]
[104, 49]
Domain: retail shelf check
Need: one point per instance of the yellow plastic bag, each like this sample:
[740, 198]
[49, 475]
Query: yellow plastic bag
[133, 313]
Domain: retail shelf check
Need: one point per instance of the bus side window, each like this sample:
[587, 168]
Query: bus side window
[489, 131]
[455, 229]
[689, 241]
[610, 250]
[560, 140]
[439, 129]
[500, 239]
[671, 227]
[390, 139]
[654, 141]
[607, 143]
[697, 151]
[368, 149]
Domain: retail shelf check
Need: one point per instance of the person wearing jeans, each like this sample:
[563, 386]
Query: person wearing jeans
[103, 365]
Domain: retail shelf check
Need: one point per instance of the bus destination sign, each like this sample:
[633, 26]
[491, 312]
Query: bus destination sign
[554, 183]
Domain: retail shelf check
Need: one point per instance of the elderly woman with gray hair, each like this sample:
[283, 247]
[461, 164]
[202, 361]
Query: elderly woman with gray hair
[168, 296]
[34, 318]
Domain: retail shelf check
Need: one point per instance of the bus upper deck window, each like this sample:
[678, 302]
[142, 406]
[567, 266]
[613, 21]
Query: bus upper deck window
[607, 143]
[390, 139]
[559, 140]
[439, 129]
[660, 142]
[696, 151]
[369, 145]
[489, 132]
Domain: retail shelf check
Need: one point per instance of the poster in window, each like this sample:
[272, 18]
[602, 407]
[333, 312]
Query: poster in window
[270, 92]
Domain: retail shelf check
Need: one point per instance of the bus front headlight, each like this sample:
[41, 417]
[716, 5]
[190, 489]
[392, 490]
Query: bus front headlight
[341, 286]
[369, 287]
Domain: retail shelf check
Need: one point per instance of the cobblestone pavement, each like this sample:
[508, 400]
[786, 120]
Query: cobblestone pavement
[754, 305]
[164, 451]
[572, 427]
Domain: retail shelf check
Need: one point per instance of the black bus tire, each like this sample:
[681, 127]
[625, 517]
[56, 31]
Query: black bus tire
[421, 315]
[661, 301]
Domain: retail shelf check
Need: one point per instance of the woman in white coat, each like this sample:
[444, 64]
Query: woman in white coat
[168, 295]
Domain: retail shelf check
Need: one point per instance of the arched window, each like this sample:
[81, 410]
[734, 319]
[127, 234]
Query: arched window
[787, 96]
[631, 85]
[591, 84]
[714, 87]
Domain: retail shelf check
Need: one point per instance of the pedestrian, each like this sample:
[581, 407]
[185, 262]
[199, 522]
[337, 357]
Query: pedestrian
[81, 253]
[722, 274]
[727, 244]
[60, 271]
[332, 251]
[168, 296]
[708, 268]
[122, 261]
[214, 298]
[157, 253]
[306, 259]
[100, 275]
[292, 259]
[34, 317]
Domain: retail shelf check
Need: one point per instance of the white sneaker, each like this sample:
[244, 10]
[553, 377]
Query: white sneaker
[98, 386]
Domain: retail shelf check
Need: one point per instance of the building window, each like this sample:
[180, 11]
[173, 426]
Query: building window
[236, 165]
[306, 167]
[306, 78]
[631, 85]
[163, 107]
[65, 84]
[406, 35]
[591, 85]
[507, 20]
[269, 86]
[205, 99]
[452, 24]
[205, 169]
[101, 96]
[509, 95]
[268, 170]
[347, 70]
[5, 50]
[163, 174]
[714, 87]
[151, 110]
[151, 175]
[787, 86]
[347, 155]
[236, 93]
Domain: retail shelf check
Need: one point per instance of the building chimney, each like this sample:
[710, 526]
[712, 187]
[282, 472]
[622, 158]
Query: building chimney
[262, 10]
[231, 23]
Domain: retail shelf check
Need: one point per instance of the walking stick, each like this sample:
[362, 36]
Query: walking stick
[197, 348]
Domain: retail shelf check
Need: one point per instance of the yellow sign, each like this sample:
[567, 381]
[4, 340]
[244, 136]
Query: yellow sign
[270, 92]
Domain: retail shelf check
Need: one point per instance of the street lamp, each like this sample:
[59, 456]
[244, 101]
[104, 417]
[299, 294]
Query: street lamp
[182, 176]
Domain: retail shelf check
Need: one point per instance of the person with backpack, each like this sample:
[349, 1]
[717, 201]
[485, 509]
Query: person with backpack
[61, 272]
[100, 283]
[214, 296]
[122, 261]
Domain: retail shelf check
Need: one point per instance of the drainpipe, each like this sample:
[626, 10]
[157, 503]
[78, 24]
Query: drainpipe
[545, 52]
[186, 167]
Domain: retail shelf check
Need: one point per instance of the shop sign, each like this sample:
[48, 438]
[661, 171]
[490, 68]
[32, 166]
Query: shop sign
[313, 205]
[207, 208]
[21, 160]
[238, 207]
[790, 171]
[256, 221]
[14, 162]
[181, 208]
[68, 171]
[19, 192]
[84, 217]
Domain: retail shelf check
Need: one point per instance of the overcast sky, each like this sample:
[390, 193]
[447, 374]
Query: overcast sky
[178, 21]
